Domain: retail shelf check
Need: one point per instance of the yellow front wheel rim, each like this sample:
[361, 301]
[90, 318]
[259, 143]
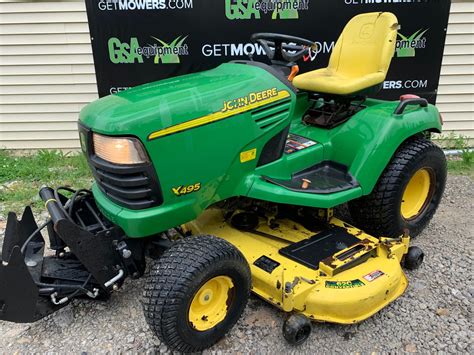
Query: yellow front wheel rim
[417, 194]
[210, 303]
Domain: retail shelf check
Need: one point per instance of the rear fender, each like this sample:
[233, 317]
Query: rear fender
[378, 132]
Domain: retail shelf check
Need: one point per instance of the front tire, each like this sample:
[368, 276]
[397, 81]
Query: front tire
[407, 194]
[196, 292]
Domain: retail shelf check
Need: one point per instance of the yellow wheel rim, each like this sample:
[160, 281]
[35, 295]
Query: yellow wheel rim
[417, 194]
[210, 303]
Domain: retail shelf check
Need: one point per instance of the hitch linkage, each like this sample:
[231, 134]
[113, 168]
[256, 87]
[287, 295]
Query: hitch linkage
[91, 257]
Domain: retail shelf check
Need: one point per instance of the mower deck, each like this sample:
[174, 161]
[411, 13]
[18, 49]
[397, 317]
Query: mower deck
[338, 274]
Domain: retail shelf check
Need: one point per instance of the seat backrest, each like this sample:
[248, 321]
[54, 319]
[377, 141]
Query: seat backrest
[366, 45]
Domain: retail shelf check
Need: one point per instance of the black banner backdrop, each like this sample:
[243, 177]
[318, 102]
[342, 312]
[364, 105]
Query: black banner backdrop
[140, 41]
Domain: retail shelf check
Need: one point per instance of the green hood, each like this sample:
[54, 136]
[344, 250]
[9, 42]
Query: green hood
[152, 107]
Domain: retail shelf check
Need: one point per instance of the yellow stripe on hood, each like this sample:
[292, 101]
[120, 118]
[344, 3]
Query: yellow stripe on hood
[216, 116]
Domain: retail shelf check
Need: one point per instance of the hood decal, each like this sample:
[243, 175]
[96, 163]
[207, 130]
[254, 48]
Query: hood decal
[230, 108]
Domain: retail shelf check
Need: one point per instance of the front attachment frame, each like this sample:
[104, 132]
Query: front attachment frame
[91, 257]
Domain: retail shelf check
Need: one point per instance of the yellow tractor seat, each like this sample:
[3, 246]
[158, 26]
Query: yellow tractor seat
[360, 59]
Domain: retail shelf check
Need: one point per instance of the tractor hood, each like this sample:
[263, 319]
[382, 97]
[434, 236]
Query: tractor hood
[159, 105]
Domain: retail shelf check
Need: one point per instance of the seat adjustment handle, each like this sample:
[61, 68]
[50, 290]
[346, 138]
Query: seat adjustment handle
[409, 102]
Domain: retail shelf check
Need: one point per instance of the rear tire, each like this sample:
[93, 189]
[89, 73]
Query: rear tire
[196, 292]
[407, 193]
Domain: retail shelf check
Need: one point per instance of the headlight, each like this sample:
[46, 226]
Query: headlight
[119, 150]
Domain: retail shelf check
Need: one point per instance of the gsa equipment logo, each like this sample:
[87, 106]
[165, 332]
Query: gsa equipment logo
[407, 45]
[162, 52]
[170, 53]
[252, 9]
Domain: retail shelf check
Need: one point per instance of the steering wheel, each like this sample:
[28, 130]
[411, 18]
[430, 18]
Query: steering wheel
[286, 49]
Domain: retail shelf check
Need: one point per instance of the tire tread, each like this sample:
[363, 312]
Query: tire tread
[375, 212]
[169, 279]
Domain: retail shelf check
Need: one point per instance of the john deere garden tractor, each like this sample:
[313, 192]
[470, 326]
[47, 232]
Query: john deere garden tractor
[226, 180]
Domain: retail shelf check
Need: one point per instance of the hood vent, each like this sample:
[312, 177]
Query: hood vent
[270, 115]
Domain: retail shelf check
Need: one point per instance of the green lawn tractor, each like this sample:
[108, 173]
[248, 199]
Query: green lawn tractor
[226, 180]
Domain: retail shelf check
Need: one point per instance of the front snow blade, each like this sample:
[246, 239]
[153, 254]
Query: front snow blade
[20, 301]
[86, 261]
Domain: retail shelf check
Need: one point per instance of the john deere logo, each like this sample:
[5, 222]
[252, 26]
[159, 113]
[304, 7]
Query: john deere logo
[252, 9]
[161, 52]
[407, 46]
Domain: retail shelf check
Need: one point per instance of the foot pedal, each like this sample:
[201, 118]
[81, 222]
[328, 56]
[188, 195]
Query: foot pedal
[324, 178]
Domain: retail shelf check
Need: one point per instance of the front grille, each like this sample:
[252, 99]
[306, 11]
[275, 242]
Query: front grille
[131, 186]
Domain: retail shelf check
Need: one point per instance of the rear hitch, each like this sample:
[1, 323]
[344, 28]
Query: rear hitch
[91, 257]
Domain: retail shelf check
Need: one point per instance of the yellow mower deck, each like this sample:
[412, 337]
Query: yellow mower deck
[346, 287]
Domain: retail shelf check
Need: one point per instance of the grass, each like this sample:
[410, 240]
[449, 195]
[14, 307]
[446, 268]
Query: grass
[463, 163]
[22, 177]
[460, 166]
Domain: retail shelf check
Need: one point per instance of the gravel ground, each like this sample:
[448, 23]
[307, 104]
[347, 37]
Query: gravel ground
[435, 314]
